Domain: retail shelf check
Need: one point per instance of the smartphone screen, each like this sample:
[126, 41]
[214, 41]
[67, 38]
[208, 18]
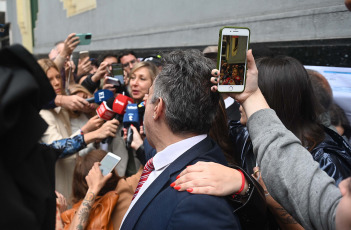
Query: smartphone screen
[109, 163]
[232, 50]
[117, 72]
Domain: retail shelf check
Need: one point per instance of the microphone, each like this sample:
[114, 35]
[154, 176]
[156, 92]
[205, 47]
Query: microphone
[118, 105]
[104, 111]
[100, 96]
[131, 117]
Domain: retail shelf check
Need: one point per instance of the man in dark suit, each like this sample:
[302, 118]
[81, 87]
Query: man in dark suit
[178, 116]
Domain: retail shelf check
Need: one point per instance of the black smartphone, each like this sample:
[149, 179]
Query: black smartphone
[117, 72]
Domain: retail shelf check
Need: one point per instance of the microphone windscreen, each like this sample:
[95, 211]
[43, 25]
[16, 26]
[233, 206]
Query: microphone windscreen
[102, 95]
[120, 103]
[131, 117]
[104, 112]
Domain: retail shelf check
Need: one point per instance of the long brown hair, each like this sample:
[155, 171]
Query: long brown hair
[220, 134]
[81, 170]
[285, 84]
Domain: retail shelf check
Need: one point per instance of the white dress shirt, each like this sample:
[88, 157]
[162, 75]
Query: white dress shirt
[163, 159]
[228, 102]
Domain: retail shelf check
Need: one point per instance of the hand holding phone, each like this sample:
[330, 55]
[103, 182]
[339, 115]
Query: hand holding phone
[117, 72]
[231, 62]
[83, 54]
[108, 163]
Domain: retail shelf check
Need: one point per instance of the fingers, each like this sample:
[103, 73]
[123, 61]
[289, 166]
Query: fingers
[214, 79]
[125, 131]
[142, 130]
[215, 72]
[135, 130]
[195, 186]
[198, 167]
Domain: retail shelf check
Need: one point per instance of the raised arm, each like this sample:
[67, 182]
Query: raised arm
[95, 181]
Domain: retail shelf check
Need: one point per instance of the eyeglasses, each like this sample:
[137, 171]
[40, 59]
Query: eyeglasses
[125, 65]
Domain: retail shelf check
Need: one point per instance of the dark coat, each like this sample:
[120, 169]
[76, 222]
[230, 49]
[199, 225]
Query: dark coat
[163, 207]
[27, 169]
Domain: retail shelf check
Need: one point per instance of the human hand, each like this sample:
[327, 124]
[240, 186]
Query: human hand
[73, 103]
[69, 71]
[109, 128]
[84, 66]
[70, 44]
[209, 178]
[95, 179]
[100, 72]
[94, 123]
[258, 177]
[251, 85]
[107, 86]
[61, 202]
[137, 139]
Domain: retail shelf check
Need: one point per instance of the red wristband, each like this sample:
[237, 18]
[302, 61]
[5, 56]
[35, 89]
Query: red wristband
[242, 184]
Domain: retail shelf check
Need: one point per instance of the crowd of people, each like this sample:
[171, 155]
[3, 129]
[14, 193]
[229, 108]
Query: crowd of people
[275, 156]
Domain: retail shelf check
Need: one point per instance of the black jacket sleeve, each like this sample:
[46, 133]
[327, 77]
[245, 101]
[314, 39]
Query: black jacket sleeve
[90, 85]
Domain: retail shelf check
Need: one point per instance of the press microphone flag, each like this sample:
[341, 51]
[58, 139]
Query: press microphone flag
[104, 112]
[100, 96]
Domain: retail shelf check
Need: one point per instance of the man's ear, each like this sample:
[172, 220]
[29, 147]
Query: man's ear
[158, 109]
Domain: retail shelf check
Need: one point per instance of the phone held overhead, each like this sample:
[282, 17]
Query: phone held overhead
[84, 39]
[231, 60]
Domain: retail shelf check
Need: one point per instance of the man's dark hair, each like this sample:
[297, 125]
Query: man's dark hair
[185, 87]
[102, 57]
[125, 53]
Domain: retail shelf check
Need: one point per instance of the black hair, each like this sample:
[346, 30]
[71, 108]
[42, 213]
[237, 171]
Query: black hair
[105, 55]
[338, 118]
[125, 53]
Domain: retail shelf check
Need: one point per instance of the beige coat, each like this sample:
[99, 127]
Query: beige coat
[59, 127]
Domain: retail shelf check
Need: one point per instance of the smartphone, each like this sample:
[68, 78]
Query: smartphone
[117, 72]
[108, 163]
[84, 39]
[231, 60]
[83, 54]
[113, 81]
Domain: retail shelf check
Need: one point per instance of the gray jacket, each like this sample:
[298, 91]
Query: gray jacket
[291, 175]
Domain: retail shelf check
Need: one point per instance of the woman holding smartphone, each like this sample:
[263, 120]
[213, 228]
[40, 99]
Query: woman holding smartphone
[291, 184]
[99, 202]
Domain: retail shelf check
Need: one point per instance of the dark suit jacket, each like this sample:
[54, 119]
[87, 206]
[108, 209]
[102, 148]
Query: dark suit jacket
[162, 207]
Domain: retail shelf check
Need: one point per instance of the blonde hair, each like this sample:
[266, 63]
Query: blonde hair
[46, 64]
[74, 89]
[152, 68]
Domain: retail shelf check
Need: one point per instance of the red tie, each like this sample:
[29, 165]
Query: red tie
[148, 168]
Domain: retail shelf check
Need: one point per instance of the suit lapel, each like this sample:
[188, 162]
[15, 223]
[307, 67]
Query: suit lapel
[156, 186]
